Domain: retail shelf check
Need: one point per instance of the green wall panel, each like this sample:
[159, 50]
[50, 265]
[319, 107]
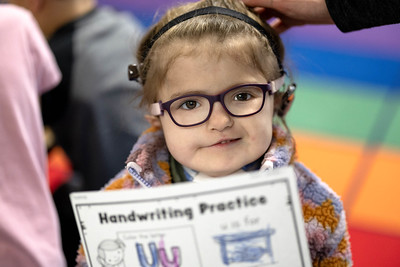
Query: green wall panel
[346, 109]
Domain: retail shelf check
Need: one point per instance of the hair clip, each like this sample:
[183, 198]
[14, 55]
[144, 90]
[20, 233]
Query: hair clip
[133, 72]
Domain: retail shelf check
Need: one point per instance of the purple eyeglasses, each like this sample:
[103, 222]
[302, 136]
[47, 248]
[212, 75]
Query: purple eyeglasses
[194, 109]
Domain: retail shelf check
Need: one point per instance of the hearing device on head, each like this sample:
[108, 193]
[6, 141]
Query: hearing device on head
[287, 100]
[133, 70]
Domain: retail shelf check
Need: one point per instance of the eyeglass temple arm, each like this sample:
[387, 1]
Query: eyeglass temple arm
[155, 109]
[277, 84]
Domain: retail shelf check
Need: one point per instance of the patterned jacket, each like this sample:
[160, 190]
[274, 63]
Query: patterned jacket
[323, 212]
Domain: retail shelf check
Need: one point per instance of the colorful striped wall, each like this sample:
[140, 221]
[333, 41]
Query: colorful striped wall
[346, 121]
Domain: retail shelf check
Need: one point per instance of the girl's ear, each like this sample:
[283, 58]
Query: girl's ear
[153, 120]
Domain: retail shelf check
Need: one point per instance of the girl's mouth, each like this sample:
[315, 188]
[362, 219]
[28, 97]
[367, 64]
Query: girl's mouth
[225, 142]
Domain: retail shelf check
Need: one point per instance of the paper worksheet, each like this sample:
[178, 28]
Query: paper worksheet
[249, 219]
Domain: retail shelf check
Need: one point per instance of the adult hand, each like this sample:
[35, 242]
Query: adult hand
[289, 13]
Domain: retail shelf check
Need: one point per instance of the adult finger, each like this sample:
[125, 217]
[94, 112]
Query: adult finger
[279, 26]
[258, 10]
[259, 3]
[265, 14]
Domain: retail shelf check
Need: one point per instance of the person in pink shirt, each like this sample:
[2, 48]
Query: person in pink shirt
[29, 229]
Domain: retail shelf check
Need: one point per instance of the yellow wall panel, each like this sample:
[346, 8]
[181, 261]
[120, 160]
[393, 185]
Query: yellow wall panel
[333, 160]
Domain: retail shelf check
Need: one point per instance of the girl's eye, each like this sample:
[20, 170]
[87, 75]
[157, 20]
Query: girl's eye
[190, 104]
[242, 96]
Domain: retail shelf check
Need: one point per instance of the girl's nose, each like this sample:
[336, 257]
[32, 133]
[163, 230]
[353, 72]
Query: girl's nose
[219, 119]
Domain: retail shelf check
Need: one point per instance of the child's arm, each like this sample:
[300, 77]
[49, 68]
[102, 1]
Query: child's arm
[325, 221]
[81, 258]
[335, 250]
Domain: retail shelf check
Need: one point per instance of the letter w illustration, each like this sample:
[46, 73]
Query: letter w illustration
[176, 261]
[142, 257]
[158, 256]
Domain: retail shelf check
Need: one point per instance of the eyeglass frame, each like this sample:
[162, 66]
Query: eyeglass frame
[157, 109]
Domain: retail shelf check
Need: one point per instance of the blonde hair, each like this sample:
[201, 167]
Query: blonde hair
[228, 36]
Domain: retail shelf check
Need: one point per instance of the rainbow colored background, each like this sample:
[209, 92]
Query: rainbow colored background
[346, 121]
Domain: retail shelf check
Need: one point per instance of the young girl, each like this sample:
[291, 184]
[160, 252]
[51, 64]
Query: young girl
[212, 79]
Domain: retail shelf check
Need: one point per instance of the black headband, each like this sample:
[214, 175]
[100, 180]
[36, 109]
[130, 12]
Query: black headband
[214, 10]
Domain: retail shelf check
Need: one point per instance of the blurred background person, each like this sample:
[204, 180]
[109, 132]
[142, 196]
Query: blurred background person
[87, 113]
[29, 230]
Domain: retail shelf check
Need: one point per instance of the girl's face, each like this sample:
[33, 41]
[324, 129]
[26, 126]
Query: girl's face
[223, 144]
